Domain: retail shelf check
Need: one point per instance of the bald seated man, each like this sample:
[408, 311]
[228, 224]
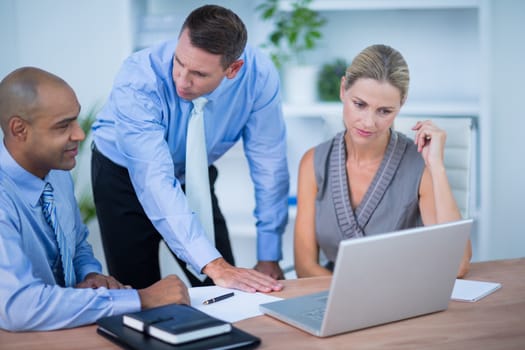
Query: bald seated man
[39, 119]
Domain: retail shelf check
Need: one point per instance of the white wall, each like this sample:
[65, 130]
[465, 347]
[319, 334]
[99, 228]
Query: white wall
[84, 42]
[506, 235]
[9, 59]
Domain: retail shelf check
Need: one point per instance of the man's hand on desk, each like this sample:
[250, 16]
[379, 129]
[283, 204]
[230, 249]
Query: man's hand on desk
[168, 290]
[270, 268]
[248, 280]
[95, 280]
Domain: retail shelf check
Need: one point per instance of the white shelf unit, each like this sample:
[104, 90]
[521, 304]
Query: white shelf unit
[345, 5]
[440, 39]
[442, 109]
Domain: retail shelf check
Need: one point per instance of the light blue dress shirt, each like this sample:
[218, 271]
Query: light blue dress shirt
[143, 127]
[30, 268]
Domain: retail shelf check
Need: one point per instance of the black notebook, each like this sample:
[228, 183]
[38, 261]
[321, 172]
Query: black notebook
[176, 324]
[114, 329]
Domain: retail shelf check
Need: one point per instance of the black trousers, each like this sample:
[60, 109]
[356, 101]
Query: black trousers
[131, 242]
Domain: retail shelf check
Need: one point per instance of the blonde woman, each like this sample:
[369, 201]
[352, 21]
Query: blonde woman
[370, 179]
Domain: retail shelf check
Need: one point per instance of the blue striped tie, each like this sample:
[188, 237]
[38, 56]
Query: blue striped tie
[48, 208]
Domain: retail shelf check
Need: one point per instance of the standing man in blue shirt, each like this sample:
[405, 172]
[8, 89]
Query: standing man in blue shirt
[138, 163]
[38, 116]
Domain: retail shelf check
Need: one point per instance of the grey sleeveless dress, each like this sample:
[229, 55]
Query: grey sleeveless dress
[390, 203]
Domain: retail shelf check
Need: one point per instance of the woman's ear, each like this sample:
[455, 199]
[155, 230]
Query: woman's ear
[342, 89]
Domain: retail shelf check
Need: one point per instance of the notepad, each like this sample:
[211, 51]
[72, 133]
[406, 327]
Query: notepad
[241, 306]
[468, 290]
[176, 324]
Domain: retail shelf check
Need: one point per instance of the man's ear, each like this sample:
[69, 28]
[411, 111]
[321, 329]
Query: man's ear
[233, 69]
[17, 127]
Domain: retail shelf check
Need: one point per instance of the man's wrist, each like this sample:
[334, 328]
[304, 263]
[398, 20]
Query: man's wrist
[213, 267]
[275, 262]
[91, 274]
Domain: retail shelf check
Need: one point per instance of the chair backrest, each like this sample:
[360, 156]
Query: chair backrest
[460, 156]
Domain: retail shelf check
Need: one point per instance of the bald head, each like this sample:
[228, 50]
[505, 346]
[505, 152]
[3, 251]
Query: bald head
[39, 116]
[19, 92]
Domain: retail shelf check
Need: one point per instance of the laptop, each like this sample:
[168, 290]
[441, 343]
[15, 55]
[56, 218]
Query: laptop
[380, 279]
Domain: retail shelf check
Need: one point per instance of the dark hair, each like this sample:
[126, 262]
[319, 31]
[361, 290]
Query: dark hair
[217, 30]
[381, 63]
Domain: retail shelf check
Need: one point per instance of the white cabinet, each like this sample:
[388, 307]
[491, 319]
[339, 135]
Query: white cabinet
[440, 41]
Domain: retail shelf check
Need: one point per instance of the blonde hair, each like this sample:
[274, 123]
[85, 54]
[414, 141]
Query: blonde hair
[381, 63]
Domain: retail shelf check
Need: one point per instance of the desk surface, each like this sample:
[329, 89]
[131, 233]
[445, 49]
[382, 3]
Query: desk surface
[495, 322]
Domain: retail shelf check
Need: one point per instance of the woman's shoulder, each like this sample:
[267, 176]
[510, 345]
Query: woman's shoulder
[410, 148]
[412, 163]
[320, 157]
[323, 149]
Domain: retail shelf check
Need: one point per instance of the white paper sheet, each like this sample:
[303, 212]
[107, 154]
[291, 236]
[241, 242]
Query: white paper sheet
[468, 290]
[239, 307]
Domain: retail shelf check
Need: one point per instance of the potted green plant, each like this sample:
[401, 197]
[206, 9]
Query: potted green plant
[82, 184]
[329, 79]
[295, 31]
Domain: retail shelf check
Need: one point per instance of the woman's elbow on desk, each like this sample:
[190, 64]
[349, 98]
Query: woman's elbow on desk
[463, 268]
[465, 262]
